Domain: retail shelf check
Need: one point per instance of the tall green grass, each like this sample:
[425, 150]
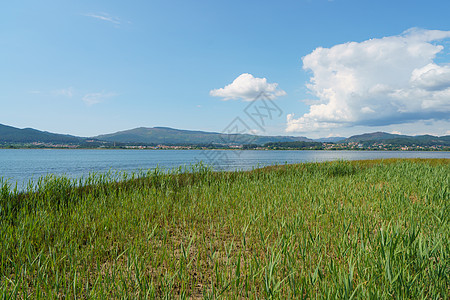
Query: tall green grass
[367, 230]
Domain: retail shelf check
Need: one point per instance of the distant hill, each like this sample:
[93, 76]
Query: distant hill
[333, 139]
[170, 136]
[9, 134]
[397, 139]
[374, 136]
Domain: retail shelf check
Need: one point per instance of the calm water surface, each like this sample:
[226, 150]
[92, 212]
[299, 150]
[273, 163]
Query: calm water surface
[21, 165]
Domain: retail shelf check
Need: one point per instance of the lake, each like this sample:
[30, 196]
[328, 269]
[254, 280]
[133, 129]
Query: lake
[21, 165]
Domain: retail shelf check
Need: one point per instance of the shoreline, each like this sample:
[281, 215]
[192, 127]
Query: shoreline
[215, 149]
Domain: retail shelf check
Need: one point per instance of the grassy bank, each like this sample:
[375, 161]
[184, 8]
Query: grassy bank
[367, 229]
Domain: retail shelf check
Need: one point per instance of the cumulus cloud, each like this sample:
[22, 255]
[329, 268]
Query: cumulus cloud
[247, 88]
[432, 77]
[94, 98]
[377, 82]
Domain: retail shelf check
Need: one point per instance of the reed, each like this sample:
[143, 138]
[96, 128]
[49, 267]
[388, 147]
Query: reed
[350, 230]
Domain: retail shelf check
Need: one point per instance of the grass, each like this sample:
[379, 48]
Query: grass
[350, 230]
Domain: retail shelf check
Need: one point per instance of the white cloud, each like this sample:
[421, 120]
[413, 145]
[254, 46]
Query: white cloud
[247, 88]
[432, 77]
[377, 82]
[94, 98]
[64, 92]
[104, 17]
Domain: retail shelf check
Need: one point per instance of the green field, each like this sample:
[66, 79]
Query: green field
[365, 229]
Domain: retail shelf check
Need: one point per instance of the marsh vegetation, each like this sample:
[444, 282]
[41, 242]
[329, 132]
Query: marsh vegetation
[363, 229]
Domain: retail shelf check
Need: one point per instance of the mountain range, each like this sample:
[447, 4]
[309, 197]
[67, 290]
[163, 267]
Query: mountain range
[170, 136]
[165, 135]
[398, 139]
[9, 134]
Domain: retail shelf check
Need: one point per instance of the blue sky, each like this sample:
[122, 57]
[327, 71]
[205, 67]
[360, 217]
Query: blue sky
[334, 68]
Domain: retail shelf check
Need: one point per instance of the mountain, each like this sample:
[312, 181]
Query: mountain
[9, 134]
[333, 139]
[170, 136]
[397, 139]
[374, 136]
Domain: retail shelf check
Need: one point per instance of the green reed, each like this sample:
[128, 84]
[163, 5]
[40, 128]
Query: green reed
[350, 230]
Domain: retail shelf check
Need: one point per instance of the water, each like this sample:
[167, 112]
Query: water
[21, 165]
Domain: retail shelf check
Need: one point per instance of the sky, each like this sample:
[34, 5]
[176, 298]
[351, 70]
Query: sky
[315, 68]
